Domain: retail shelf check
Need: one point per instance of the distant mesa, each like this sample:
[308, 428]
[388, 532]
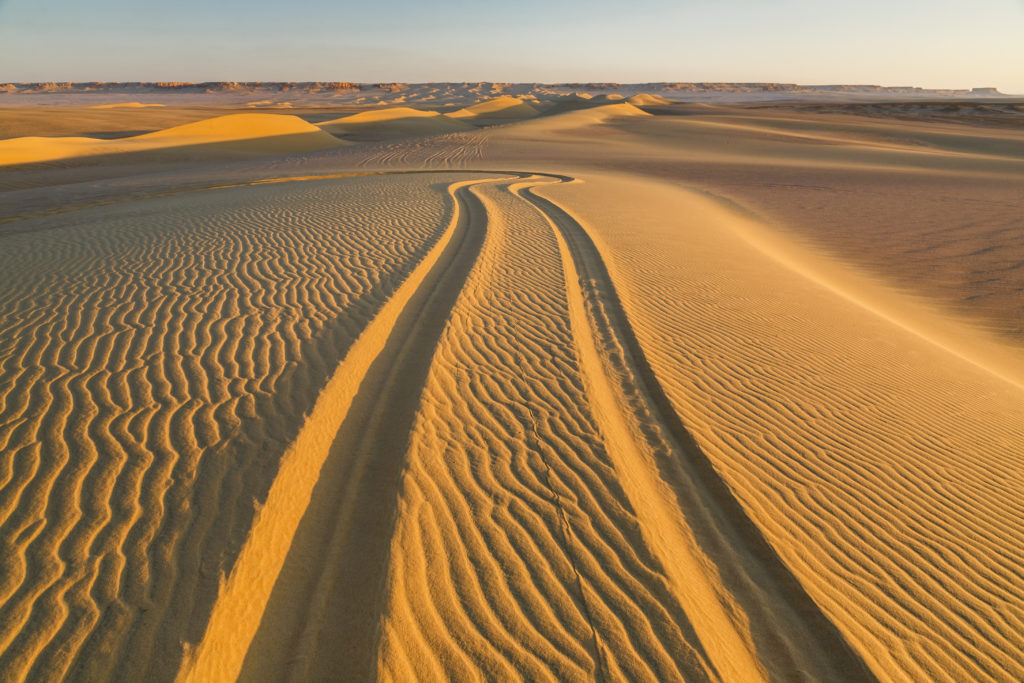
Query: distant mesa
[514, 90]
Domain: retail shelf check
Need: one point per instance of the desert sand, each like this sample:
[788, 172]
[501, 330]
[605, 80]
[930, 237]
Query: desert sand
[259, 134]
[394, 122]
[527, 385]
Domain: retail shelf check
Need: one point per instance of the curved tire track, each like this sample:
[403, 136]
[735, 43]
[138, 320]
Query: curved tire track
[327, 494]
[335, 485]
[791, 636]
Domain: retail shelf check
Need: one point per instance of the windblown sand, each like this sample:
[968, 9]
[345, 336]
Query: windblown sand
[570, 389]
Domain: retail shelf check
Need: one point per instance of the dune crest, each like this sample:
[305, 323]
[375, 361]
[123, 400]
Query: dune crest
[236, 127]
[125, 105]
[260, 134]
[504, 107]
[395, 121]
[646, 100]
[580, 118]
[811, 404]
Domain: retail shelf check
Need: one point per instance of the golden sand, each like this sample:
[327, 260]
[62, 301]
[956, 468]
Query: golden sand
[263, 134]
[691, 393]
[506, 107]
[395, 122]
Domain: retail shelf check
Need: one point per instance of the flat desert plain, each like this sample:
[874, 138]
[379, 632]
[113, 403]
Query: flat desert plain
[575, 387]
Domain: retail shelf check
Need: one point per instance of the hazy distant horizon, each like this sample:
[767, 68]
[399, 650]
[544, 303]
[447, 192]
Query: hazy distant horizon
[733, 89]
[898, 43]
[590, 81]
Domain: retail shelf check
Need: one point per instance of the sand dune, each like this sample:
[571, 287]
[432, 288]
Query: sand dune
[126, 105]
[579, 119]
[646, 100]
[262, 134]
[315, 458]
[729, 388]
[505, 107]
[558, 580]
[706, 393]
[550, 581]
[395, 121]
[164, 387]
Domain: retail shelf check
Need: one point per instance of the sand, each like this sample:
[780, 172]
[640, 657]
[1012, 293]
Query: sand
[129, 105]
[262, 134]
[646, 99]
[505, 107]
[547, 388]
[393, 122]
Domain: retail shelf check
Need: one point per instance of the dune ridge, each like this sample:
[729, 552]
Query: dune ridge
[262, 134]
[504, 107]
[395, 121]
[912, 568]
[646, 100]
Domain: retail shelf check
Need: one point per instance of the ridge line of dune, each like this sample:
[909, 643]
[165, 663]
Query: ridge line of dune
[696, 519]
[978, 350]
[243, 596]
[487, 578]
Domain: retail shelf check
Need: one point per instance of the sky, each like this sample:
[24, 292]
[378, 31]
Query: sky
[932, 44]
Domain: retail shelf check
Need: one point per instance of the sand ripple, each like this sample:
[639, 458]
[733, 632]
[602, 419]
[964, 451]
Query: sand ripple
[155, 359]
[517, 553]
[880, 466]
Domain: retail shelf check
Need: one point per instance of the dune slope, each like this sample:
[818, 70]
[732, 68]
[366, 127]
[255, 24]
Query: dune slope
[518, 511]
[156, 361]
[396, 121]
[515, 551]
[832, 424]
[245, 134]
[505, 107]
[674, 395]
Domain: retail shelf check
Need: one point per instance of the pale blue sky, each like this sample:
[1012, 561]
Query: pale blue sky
[935, 43]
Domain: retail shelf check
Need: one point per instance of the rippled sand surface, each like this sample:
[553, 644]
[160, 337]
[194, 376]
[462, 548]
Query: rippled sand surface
[570, 391]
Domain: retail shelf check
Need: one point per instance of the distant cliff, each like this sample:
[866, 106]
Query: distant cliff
[313, 87]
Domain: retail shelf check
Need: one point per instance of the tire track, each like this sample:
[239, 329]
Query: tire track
[326, 521]
[517, 554]
[337, 489]
[155, 362]
[790, 636]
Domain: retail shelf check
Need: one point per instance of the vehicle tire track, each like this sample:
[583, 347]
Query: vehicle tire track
[517, 555]
[697, 526]
[315, 560]
[329, 486]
